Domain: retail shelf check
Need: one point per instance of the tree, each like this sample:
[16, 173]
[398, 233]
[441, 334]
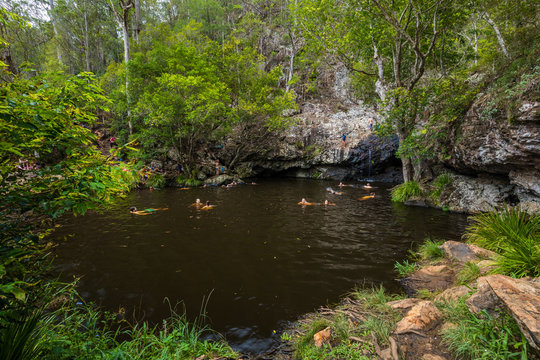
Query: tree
[389, 41]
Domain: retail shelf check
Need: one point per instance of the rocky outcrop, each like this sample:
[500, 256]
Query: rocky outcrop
[313, 148]
[495, 154]
[520, 297]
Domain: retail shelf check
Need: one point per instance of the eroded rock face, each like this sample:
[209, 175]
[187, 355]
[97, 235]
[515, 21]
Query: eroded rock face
[313, 148]
[498, 160]
[521, 298]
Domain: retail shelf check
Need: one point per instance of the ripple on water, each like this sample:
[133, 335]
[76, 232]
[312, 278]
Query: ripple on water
[264, 259]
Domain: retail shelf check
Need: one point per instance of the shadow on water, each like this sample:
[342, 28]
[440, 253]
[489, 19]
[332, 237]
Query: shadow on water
[266, 259]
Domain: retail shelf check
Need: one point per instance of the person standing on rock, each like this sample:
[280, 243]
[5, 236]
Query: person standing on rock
[218, 166]
[344, 140]
[370, 124]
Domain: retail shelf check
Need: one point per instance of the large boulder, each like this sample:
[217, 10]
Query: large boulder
[421, 318]
[462, 252]
[432, 278]
[520, 297]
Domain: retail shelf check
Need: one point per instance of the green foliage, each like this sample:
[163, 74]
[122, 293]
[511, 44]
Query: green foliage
[468, 274]
[431, 250]
[84, 332]
[403, 192]
[23, 338]
[193, 182]
[513, 235]
[156, 181]
[483, 336]
[188, 91]
[406, 268]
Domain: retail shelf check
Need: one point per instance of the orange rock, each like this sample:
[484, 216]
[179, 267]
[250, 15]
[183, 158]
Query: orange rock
[323, 337]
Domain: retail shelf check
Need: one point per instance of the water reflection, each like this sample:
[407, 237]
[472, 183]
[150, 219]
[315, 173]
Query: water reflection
[266, 259]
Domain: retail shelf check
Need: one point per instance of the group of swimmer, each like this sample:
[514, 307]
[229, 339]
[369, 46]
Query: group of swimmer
[368, 186]
[199, 205]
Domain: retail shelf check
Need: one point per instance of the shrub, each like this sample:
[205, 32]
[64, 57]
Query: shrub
[156, 181]
[406, 268]
[511, 233]
[403, 192]
[193, 182]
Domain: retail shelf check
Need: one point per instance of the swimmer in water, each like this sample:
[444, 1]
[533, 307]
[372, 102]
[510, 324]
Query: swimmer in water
[305, 203]
[197, 203]
[368, 186]
[207, 206]
[148, 211]
[332, 191]
[370, 196]
[326, 203]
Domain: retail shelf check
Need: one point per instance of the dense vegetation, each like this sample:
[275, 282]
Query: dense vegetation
[175, 79]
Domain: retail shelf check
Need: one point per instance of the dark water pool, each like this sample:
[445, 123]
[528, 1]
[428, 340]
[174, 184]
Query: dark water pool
[265, 259]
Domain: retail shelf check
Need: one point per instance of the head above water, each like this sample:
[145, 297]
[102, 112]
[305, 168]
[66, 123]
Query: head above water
[198, 201]
[133, 209]
[207, 202]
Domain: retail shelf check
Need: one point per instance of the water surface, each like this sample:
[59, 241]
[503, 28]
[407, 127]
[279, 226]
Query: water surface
[265, 259]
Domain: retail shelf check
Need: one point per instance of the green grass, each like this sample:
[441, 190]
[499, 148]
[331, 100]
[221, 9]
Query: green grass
[514, 235]
[23, 338]
[440, 183]
[406, 268]
[403, 192]
[482, 336]
[431, 250]
[468, 274]
[75, 330]
[377, 318]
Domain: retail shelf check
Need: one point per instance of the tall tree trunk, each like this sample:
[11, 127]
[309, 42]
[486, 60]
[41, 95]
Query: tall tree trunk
[406, 162]
[55, 30]
[500, 39]
[138, 25]
[123, 21]
[86, 41]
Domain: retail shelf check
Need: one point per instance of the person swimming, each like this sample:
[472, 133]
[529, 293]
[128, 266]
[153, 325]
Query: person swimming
[197, 203]
[305, 203]
[147, 211]
[207, 206]
[370, 196]
[332, 191]
[326, 203]
[368, 186]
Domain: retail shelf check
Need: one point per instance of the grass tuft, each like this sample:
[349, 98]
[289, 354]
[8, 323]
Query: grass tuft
[468, 274]
[403, 192]
[431, 250]
[406, 268]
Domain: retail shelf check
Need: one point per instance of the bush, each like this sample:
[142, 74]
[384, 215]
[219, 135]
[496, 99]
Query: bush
[193, 182]
[511, 233]
[156, 181]
[403, 192]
